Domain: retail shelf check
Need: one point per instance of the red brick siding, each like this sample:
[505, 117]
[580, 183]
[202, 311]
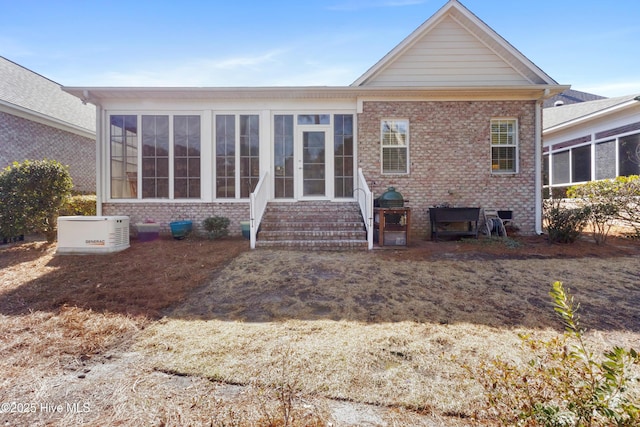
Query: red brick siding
[22, 139]
[164, 213]
[450, 158]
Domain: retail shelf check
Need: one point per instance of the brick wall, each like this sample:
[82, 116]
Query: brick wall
[22, 139]
[450, 157]
[164, 213]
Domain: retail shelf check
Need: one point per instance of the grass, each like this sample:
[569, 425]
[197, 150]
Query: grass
[205, 332]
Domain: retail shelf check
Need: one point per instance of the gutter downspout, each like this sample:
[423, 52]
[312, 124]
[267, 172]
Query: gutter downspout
[538, 168]
[98, 160]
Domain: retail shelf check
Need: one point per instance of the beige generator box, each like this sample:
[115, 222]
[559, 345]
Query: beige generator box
[92, 234]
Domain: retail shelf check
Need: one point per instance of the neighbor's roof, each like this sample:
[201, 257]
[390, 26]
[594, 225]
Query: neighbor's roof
[571, 96]
[30, 95]
[566, 115]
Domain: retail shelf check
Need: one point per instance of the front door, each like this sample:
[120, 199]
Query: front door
[312, 177]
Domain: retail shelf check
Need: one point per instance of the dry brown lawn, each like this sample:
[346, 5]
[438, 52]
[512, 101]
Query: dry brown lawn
[199, 332]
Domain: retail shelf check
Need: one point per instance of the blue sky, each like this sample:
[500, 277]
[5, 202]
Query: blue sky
[590, 44]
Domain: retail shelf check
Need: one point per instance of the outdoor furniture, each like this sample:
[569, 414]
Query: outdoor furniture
[392, 226]
[456, 222]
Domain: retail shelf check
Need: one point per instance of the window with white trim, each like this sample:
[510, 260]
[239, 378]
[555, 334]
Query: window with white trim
[237, 155]
[504, 145]
[394, 135]
[150, 159]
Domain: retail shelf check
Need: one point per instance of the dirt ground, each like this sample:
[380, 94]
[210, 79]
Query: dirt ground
[111, 339]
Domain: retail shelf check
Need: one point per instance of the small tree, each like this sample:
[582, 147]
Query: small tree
[563, 384]
[629, 192]
[31, 195]
[563, 224]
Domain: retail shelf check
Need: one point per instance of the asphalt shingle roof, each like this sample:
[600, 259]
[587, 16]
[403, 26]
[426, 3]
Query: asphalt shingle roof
[27, 90]
[554, 116]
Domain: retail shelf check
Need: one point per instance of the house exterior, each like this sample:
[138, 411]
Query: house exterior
[591, 141]
[38, 120]
[452, 115]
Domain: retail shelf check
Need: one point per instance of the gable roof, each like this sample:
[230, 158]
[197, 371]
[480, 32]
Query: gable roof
[454, 48]
[32, 96]
[556, 118]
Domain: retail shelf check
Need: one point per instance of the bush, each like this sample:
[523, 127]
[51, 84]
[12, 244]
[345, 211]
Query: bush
[216, 226]
[563, 384]
[601, 201]
[563, 225]
[84, 205]
[629, 191]
[31, 195]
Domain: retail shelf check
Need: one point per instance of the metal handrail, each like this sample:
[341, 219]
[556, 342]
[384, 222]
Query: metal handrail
[257, 205]
[364, 197]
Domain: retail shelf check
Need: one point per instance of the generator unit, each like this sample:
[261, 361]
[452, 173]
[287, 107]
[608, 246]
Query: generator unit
[92, 234]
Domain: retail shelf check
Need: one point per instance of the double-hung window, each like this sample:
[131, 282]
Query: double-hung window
[504, 145]
[395, 146]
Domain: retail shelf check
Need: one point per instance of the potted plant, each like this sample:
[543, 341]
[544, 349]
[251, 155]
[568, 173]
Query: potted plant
[180, 229]
[216, 226]
[245, 228]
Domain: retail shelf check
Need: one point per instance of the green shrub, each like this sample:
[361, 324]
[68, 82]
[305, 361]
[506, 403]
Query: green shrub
[602, 202]
[216, 226]
[629, 191]
[31, 195]
[564, 225]
[84, 205]
[562, 384]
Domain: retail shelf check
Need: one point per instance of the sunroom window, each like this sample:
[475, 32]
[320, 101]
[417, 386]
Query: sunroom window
[152, 160]
[237, 155]
[123, 147]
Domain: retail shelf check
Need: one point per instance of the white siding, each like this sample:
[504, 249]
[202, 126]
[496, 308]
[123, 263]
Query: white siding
[448, 55]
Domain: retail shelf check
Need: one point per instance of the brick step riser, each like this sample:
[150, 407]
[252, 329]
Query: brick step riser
[296, 222]
[313, 235]
[311, 221]
[319, 245]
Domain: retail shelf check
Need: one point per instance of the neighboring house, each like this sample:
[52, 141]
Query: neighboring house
[591, 140]
[38, 120]
[570, 96]
[453, 114]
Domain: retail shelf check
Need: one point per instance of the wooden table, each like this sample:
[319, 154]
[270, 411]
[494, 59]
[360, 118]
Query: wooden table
[392, 226]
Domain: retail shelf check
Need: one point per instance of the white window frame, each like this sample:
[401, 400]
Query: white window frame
[138, 114]
[237, 158]
[392, 123]
[514, 144]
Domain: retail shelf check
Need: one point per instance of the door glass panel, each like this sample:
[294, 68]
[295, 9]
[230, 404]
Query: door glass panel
[313, 163]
